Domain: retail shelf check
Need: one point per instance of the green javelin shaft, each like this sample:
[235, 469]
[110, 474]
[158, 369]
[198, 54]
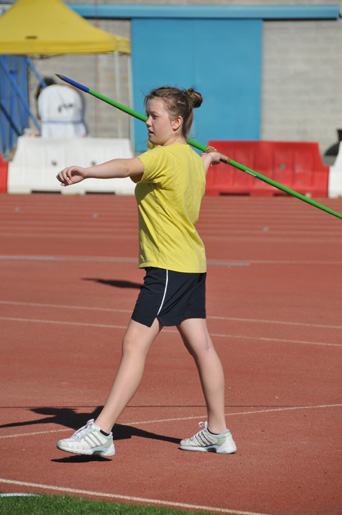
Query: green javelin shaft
[204, 149]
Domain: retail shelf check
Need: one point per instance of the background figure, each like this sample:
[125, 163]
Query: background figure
[61, 110]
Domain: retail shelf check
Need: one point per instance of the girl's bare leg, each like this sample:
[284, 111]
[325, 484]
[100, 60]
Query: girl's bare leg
[136, 344]
[196, 338]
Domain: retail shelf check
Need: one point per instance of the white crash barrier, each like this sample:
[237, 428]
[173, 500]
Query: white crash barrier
[38, 160]
[335, 176]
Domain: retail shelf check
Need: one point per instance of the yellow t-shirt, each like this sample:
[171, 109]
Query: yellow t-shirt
[169, 196]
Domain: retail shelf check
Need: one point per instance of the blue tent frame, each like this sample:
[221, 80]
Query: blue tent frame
[14, 100]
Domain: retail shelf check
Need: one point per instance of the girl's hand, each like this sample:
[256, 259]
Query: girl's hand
[72, 175]
[212, 157]
[216, 157]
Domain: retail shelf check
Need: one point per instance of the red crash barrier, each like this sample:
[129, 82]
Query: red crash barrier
[298, 166]
[3, 175]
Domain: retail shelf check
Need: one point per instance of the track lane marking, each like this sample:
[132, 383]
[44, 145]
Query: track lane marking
[63, 306]
[283, 340]
[59, 322]
[280, 322]
[210, 262]
[182, 419]
[211, 317]
[109, 326]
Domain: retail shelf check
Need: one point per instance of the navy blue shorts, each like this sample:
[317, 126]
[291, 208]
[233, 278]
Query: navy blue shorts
[170, 296]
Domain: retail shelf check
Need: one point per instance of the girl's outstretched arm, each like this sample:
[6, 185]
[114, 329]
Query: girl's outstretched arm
[114, 169]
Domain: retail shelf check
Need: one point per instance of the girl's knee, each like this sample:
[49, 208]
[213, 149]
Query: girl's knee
[139, 338]
[129, 344]
[132, 343]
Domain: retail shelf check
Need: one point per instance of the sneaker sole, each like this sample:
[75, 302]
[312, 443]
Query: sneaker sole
[214, 449]
[97, 451]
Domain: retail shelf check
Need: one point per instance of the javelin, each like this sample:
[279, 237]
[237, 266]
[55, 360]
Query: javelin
[203, 148]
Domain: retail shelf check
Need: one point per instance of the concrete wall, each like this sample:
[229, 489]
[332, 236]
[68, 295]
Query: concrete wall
[301, 81]
[301, 76]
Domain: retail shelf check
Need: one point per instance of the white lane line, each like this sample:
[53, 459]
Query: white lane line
[58, 306]
[182, 419]
[211, 317]
[107, 259]
[254, 320]
[128, 498]
[75, 235]
[292, 262]
[109, 326]
[17, 495]
[75, 258]
[212, 262]
[28, 320]
[34, 433]
[256, 412]
[280, 340]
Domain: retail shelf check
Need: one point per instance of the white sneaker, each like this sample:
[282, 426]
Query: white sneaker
[204, 441]
[88, 440]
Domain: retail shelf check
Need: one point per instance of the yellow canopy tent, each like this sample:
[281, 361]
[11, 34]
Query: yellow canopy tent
[41, 28]
[48, 27]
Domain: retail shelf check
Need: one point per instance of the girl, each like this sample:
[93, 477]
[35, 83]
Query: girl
[170, 185]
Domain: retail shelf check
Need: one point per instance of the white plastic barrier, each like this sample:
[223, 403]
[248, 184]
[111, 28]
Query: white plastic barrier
[38, 160]
[335, 176]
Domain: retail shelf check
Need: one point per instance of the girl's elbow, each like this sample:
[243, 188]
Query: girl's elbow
[135, 168]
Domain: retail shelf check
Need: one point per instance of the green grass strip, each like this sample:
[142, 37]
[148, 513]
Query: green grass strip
[66, 504]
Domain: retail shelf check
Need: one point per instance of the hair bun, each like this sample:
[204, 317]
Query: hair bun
[195, 97]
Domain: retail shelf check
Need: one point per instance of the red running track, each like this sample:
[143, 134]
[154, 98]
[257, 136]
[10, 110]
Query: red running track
[68, 282]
